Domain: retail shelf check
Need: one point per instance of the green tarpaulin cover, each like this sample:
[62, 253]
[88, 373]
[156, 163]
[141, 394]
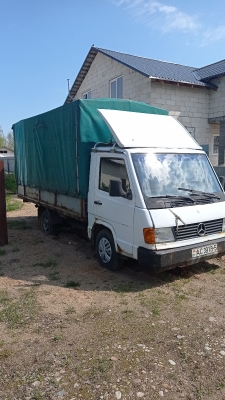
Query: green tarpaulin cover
[52, 150]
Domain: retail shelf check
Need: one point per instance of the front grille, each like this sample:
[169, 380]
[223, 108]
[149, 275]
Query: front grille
[190, 231]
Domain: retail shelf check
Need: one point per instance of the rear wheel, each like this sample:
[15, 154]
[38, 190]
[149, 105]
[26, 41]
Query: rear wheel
[106, 252]
[47, 227]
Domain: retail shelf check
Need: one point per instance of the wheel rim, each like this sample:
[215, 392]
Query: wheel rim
[105, 250]
[45, 224]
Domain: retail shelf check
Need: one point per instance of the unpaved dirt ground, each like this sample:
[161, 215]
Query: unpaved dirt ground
[72, 330]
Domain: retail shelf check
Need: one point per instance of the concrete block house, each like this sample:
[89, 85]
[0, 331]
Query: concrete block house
[195, 96]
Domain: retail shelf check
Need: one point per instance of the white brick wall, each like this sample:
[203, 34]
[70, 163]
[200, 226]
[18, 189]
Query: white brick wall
[217, 98]
[191, 106]
[103, 69]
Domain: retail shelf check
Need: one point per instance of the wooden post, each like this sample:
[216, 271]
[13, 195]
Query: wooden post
[3, 221]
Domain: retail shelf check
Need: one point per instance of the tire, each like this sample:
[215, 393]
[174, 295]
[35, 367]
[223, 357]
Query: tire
[106, 252]
[47, 227]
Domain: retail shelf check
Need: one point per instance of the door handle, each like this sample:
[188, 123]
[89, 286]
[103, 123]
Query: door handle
[98, 202]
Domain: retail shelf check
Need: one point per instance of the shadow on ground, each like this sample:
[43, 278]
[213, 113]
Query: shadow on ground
[67, 260]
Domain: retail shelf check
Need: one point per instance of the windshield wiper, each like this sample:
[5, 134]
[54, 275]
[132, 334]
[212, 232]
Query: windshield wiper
[162, 197]
[210, 195]
[169, 196]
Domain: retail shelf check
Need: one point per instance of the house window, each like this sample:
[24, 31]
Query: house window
[215, 144]
[86, 95]
[116, 88]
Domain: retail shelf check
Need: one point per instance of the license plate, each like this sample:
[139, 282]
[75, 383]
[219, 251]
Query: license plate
[204, 251]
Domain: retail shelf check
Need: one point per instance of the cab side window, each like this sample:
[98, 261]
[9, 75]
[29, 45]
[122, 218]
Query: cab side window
[113, 168]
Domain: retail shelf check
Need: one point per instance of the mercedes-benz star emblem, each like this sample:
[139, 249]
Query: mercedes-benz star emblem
[201, 229]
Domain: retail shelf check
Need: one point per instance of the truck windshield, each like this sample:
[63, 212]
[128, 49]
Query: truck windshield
[162, 175]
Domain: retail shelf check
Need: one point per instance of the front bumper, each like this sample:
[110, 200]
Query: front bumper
[161, 260]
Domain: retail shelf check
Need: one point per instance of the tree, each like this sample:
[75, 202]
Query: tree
[7, 140]
[2, 138]
[10, 140]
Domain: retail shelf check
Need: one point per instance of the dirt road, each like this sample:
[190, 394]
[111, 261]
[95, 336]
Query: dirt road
[72, 330]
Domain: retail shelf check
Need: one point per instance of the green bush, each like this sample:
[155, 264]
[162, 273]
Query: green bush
[10, 183]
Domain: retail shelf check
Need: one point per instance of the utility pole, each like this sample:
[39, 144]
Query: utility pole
[3, 221]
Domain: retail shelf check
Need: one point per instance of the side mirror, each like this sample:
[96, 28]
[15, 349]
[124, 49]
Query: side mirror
[129, 195]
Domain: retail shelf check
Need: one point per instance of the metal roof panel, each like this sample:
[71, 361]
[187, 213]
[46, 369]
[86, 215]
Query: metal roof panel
[211, 71]
[155, 68]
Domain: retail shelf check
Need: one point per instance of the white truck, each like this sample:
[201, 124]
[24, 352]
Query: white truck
[152, 194]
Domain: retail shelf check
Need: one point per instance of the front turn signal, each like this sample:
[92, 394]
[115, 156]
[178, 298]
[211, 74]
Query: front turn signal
[149, 235]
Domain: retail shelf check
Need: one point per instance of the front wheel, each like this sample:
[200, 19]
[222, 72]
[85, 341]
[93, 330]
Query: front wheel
[106, 252]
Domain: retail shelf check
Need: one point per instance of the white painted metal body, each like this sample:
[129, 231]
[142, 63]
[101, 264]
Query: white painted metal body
[126, 218]
[137, 130]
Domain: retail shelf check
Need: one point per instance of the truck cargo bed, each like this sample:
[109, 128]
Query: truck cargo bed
[64, 204]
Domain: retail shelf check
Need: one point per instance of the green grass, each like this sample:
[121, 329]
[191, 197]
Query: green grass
[4, 354]
[15, 249]
[12, 204]
[3, 297]
[101, 368]
[70, 310]
[57, 337]
[10, 183]
[37, 395]
[127, 312]
[20, 312]
[2, 252]
[220, 386]
[46, 264]
[155, 312]
[179, 297]
[18, 224]
[124, 288]
[209, 267]
[72, 284]
[54, 276]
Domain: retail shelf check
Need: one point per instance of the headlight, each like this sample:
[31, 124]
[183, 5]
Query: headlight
[158, 235]
[164, 235]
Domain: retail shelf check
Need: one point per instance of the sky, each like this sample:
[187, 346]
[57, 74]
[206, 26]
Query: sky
[43, 43]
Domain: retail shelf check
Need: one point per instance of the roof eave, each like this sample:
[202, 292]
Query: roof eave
[208, 78]
[207, 85]
[81, 74]
[90, 58]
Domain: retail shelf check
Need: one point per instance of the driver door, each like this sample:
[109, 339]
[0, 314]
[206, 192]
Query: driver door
[116, 212]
